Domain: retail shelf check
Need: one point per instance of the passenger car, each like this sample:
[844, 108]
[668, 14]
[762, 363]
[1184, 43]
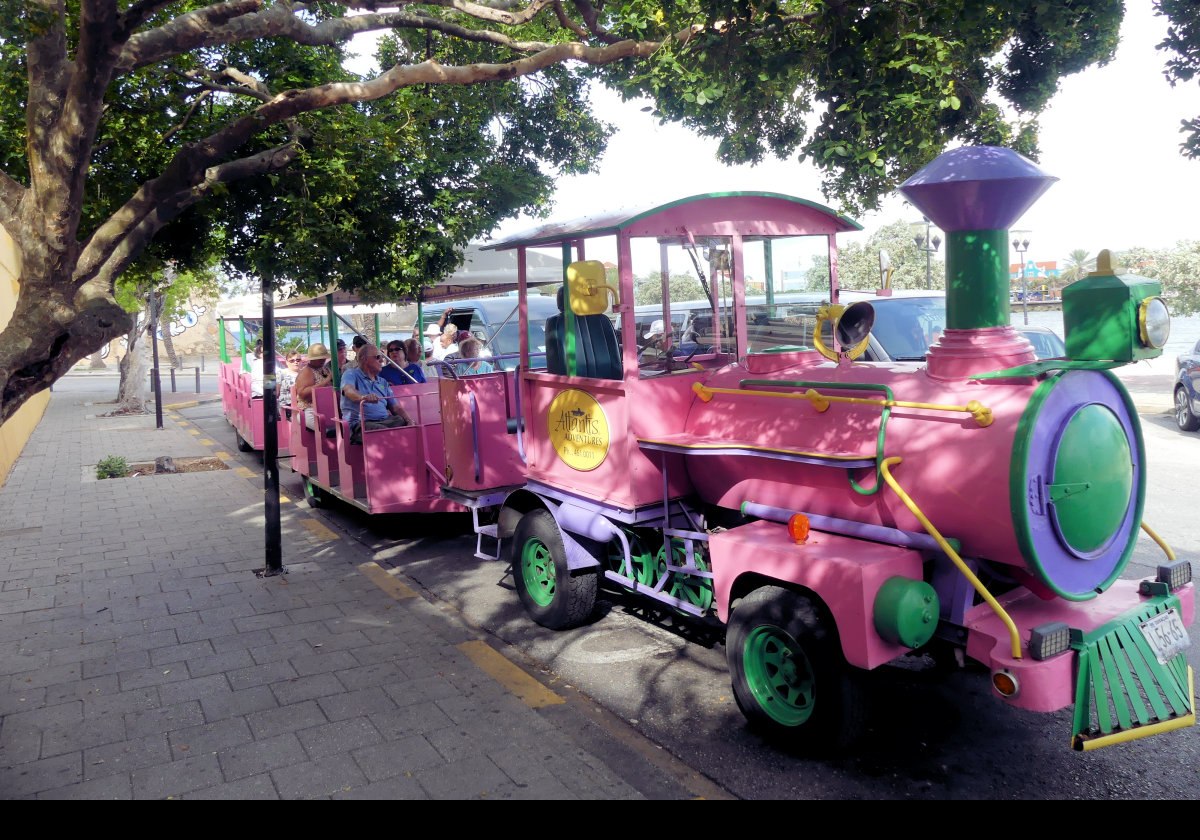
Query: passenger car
[905, 326]
[1187, 399]
[1045, 341]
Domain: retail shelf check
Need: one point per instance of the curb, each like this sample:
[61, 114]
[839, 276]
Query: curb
[192, 403]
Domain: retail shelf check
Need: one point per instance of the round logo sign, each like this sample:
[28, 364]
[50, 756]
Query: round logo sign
[578, 430]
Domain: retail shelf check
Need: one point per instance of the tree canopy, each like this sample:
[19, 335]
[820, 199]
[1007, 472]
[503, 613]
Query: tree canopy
[153, 130]
[1177, 268]
[1182, 46]
[858, 262]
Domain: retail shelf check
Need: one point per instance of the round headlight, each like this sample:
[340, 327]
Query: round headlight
[1154, 322]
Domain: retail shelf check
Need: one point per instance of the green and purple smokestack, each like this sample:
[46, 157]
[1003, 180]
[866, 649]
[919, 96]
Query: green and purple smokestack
[975, 194]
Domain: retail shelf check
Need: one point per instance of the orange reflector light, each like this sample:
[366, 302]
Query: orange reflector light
[798, 527]
[1005, 683]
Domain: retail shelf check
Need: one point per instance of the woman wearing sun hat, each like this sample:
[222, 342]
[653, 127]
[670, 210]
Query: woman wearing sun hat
[314, 375]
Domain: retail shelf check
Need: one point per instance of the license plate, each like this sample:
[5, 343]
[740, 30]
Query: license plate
[1166, 635]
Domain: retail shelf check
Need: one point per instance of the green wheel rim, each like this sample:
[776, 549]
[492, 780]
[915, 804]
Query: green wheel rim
[644, 565]
[693, 589]
[311, 492]
[537, 572]
[779, 675]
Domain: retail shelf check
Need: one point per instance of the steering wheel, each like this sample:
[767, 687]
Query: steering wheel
[670, 358]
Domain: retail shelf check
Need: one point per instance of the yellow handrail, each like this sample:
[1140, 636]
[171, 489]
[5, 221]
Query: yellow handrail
[981, 413]
[953, 555]
[1161, 542]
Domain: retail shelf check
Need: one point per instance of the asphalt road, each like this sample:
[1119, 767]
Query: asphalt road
[931, 734]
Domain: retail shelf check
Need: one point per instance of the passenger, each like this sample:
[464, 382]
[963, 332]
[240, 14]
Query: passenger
[414, 359]
[394, 373]
[315, 374]
[358, 343]
[367, 401]
[434, 330]
[469, 348]
[285, 381]
[433, 334]
[447, 344]
[689, 344]
[256, 371]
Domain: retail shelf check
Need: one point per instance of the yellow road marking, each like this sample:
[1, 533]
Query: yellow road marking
[192, 431]
[222, 454]
[524, 687]
[318, 530]
[392, 586]
[206, 442]
[245, 472]
[283, 500]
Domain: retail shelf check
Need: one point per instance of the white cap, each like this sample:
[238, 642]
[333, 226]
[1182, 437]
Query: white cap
[656, 329]
[433, 329]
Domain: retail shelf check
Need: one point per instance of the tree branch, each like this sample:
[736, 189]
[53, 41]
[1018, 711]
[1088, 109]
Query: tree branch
[48, 71]
[280, 21]
[188, 169]
[126, 233]
[186, 117]
[566, 23]
[591, 19]
[139, 13]
[491, 13]
[75, 131]
[255, 89]
[187, 32]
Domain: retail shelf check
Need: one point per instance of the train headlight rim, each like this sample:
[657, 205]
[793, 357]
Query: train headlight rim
[1154, 328]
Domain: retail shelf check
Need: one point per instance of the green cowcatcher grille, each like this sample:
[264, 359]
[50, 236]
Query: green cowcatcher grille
[1122, 692]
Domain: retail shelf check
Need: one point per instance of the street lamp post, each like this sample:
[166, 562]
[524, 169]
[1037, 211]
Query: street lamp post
[929, 246]
[1020, 244]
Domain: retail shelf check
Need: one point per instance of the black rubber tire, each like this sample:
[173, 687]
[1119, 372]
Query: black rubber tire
[768, 632]
[242, 444]
[550, 593]
[1184, 418]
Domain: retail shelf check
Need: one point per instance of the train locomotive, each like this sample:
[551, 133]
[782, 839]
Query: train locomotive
[838, 514]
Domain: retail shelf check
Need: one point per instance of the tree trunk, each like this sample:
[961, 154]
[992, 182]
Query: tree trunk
[133, 391]
[169, 345]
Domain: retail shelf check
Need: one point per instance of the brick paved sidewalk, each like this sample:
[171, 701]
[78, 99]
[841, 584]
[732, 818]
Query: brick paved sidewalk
[140, 657]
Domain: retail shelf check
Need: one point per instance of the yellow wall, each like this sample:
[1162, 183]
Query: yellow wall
[19, 427]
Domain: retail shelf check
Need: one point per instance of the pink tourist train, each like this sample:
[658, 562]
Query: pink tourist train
[740, 459]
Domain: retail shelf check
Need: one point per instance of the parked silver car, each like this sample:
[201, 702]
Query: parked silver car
[1187, 390]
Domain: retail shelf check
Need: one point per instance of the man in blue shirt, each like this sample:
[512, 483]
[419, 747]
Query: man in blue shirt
[367, 401]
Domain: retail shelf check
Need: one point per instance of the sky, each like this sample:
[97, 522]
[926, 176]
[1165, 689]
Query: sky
[1111, 135]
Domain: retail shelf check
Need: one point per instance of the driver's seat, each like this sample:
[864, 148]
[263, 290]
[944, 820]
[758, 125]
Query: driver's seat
[597, 354]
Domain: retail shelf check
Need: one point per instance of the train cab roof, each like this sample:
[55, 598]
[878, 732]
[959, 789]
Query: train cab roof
[752, 214]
